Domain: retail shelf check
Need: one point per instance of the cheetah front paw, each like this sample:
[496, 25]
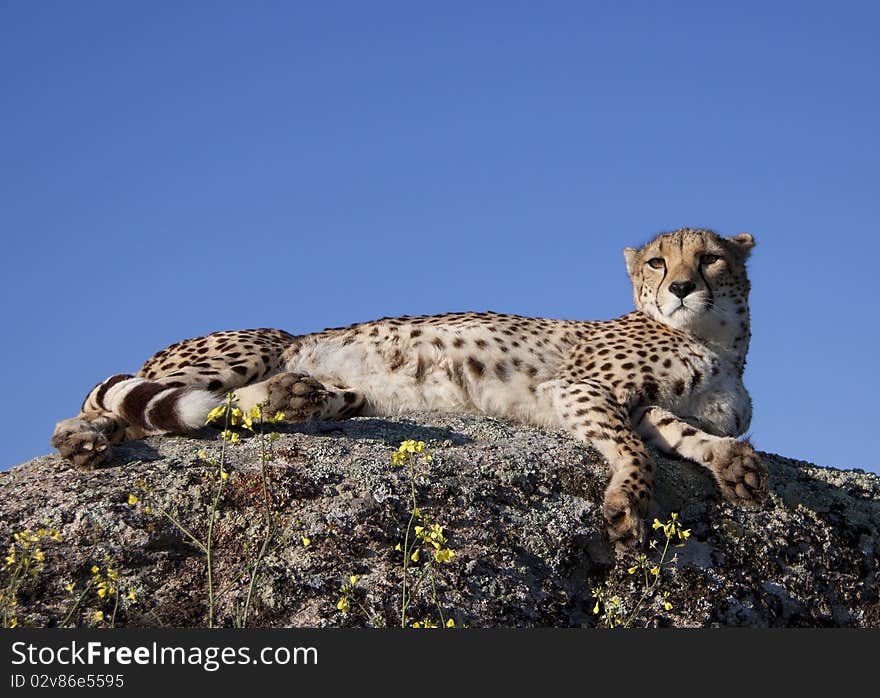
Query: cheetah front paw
[298, 396]
[625, 518]
[84, 442]
[740, 474]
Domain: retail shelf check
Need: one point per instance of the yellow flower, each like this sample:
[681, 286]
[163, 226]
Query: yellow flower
[667, 605]
[343, 604]
[131, 596]
[102, 591]
[416, 625]
[306, 542]
[256, 412]
[133, 499]
[112, 574]
[277, 417]
[148, 510]
[39, 555]
[215, 414]
[13, 622]
[230, 436]
[596, 608]
[70, 586]
[398, 458]
[95, 569]
[55, 535]
[632, 570]
[444, 555]
[419, 529]
[656, 524]
[224, 475]
[397, 547]
[655, 570]
[450, 623]
[353, 579]
[415, 556]
[684, 533]
[98, 616]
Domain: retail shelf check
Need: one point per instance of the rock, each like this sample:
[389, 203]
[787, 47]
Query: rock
[520, 506]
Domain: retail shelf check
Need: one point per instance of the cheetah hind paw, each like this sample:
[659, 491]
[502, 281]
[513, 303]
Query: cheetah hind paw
[85, 442]
[741, 476]
[625, 519]
[298, 396]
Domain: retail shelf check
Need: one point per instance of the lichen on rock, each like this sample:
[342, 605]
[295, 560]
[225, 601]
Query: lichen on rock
[521, 508]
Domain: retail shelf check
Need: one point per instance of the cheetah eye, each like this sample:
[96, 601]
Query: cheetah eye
[657, 263]
[708, 259]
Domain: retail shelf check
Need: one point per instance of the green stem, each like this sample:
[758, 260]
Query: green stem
[9, 595]
[183, 529]
[370, 616]
[436, 598]
[76, 604]
[212, 515]
[417, 584]
[649, 586]
[406, 553]
[115, 606]
[208, 552]
[263, 460]
[253, 582]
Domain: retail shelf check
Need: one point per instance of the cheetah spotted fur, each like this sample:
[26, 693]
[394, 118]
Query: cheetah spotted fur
[668, 375]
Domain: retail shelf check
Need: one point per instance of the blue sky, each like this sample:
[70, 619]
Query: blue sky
[171, 169]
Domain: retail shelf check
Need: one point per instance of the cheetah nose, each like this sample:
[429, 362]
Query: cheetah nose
[682, 288]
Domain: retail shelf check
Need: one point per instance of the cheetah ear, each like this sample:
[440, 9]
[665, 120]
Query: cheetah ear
[743, 242]
[630, 254]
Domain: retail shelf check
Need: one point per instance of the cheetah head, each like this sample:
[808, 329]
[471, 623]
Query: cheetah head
[694, 280]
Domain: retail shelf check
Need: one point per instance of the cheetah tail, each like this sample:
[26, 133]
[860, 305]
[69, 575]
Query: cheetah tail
[151, 406]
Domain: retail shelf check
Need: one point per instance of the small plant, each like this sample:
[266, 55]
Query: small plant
[266, 439]
[610, 608]
[218, 476]
[424, 546]
[105, 583]
[25, 559]
[348, 596]
[424, 543]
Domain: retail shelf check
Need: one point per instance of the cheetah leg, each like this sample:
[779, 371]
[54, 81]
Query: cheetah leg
[738, 470]
[300, 397]
[590, 412]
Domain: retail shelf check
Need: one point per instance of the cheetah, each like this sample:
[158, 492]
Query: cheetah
[667, 375]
